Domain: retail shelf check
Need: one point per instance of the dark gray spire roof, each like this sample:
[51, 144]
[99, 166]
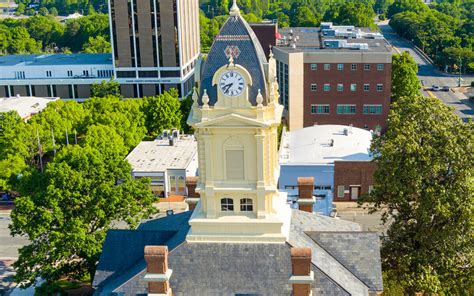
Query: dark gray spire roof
[237, 34]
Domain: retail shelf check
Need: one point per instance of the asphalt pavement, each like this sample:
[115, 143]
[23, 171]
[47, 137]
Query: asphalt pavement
[429, 75]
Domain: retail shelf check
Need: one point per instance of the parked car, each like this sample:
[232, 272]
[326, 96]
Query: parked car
[445, 88]
[435, 87]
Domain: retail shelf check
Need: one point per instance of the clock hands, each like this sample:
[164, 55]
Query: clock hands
[227, 87]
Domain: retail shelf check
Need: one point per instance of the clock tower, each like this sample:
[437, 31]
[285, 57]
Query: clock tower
[235, 116]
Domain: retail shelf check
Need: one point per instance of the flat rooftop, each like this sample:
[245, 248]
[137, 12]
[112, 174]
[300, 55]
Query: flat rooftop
[159, 155]
[323, 144]
[25, 106]
[301, 39]
[56, 59]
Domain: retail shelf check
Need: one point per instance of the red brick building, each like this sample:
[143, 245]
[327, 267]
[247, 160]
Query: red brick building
[334, 75]
[352, 179]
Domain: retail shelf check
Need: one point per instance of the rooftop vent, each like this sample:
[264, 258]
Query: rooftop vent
[345, 132]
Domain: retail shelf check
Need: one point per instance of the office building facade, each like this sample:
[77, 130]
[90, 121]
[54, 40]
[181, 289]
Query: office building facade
[334, 75]
[155, 45]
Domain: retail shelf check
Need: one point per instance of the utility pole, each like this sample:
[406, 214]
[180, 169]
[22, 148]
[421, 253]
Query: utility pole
[54, 143]
[39, 150]
[460, 71]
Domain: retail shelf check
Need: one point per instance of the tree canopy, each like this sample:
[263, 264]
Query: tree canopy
[46, 34]
[424, 180]
[405, 81]
[444, 31]
[66, 212]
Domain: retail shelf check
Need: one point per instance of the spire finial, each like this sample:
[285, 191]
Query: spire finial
[231, 61]
[234, 10]
[271, 52]
[259, 98]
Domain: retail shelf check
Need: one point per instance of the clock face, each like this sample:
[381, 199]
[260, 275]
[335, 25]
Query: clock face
[232, 83]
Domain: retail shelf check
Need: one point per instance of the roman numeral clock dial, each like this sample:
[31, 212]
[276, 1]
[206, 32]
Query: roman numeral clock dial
[232, 83]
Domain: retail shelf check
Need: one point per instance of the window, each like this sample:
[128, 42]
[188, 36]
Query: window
[235, 164]
[227, 205]
[353, 67]
[340, 87]
[314, 67]
[371, 187]
[353, 87]
[379, 87]
[48, 74]
[320, 109]
[346, 109]
[327, 66]
[380, 67]
[181, 184]
[340, 67]
[69, 73]
[85, 73]
[314, 87]
[366, 67]
[327, 87]
[340, 191]
[20, 75]
[372, 109]
[366, 87]
[246, 205]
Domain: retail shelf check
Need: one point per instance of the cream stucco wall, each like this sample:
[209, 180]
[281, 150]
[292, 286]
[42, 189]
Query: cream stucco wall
[233, 124]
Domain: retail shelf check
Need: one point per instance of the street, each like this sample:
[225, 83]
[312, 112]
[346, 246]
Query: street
[8, 252]
[429, 75]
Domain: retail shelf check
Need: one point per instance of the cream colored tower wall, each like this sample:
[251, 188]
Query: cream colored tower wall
[296, 90]
[237, 151]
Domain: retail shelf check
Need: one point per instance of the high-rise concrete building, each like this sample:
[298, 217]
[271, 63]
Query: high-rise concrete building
[155, 45]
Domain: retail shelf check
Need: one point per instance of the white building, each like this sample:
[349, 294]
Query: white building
[314, 151]
[25, 106]
[167, 162]
[67, 76]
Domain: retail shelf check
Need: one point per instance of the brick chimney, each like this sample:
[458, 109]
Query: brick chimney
[302, 276]
[157, 271]
[306, 198]
[193, 197]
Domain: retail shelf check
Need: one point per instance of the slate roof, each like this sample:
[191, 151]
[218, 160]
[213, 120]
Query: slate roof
[356, 251]
[236, 32]
[258, 269]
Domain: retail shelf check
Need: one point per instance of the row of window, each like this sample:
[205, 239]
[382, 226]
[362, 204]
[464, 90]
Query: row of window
[346, 109]
[340, 67]
[49, 73]
[341, 190]
[340, 87]
[316, 187]
[227, 205]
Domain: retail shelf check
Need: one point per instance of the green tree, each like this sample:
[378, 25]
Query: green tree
[53, 11]
[13, 148]
[405, 81]
[304, 17]
[97, 44]
[424, 181]
[105, 139]
[398, 6]
[106, 88]
[186, 105]
[162, 112]
[66, 212]
[43, 11]
[126, 116]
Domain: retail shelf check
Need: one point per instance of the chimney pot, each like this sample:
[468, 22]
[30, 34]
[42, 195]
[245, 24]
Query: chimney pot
[305, 194]
[193, 197]
[302, 277]
[158, 273]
